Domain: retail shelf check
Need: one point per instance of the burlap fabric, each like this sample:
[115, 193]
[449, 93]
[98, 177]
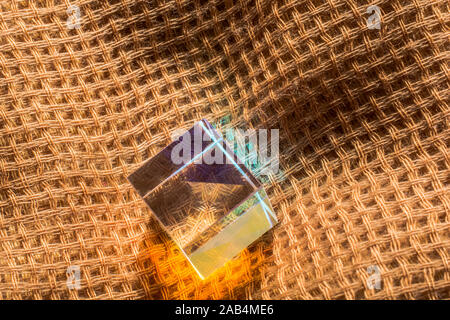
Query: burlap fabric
[364, 143]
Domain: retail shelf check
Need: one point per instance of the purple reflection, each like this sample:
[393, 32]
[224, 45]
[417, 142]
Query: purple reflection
[214, 173]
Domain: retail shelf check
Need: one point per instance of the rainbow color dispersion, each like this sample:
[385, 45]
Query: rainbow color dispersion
[212, 210]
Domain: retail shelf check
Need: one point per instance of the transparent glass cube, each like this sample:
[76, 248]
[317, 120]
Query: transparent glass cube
[204, 197]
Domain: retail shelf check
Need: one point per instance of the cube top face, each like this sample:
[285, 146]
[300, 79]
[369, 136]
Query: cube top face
[204, 197]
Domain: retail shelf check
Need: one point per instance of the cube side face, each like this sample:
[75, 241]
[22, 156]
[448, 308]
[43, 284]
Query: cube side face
[204, 197]
[246, 223]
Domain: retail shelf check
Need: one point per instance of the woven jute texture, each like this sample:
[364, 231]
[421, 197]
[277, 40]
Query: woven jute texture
[363, 116]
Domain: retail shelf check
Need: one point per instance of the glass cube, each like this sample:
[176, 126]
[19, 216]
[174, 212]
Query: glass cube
[204, 197]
